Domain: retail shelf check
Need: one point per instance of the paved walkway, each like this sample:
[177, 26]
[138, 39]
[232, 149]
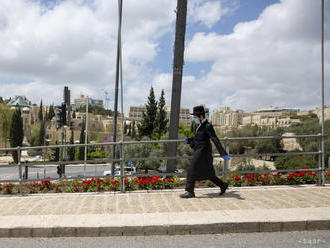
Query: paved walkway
[250, 209]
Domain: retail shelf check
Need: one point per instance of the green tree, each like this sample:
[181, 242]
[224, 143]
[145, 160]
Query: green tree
[270, 145]
[140, 150]
[81, 149]
[161, 120]
[40, 114]
[5, 122]
[241, 146]
[16, 132]
[51, 113]
[33, 138]
[72, 149]
[97, 110]
[146, 128]
[133, 132]
[193, 127]
[42, 133]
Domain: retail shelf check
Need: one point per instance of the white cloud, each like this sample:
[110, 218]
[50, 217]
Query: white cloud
[74, 43]
[274, 60]
[208, 13]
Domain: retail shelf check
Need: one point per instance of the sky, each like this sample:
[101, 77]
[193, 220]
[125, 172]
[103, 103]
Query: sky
[244, 54]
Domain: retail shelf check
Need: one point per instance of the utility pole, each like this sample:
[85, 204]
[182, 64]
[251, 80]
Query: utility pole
[86, 136]
[115, 117]
[322, 93]
[180, 30]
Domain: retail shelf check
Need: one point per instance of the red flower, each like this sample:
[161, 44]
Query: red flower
[291, 176]
[237, 177]
[126, 180]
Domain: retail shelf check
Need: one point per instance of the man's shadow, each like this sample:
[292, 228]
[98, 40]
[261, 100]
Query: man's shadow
[228, 194]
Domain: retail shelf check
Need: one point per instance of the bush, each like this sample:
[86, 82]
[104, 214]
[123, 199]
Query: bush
[295, 162]
[97, 154]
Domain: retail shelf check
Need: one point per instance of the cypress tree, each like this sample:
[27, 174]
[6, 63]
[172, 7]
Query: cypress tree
[133, 130]
[81, 151]
[51, 113]
[148, 119]
[40, 114]
[161, 120]
[16, 132]
[41, 134]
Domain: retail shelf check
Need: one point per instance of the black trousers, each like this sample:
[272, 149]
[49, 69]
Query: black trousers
[191, 183]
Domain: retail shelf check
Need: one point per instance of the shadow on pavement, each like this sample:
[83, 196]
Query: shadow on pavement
[228, 194]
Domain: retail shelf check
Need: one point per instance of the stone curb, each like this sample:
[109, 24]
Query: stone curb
[213, 228]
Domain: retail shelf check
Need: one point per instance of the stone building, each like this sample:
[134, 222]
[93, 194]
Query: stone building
[270, 117]
[136, 112]
[225, 119]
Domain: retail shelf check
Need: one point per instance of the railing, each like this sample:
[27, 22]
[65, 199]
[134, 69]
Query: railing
[225, 141]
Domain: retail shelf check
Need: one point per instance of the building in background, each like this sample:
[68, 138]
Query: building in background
[20, 101]
[318, 112]
[271, 117]
[136, 112]
[224, 119]
[184, 118]
[82, 101]
[27, 110]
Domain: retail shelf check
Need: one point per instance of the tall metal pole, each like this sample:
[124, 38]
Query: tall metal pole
[117, 83]
[180, 30]
[322, 86]
[86, 136]
[122, 157]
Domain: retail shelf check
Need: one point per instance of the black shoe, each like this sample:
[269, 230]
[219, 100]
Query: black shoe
[187, 195]
[224, 188]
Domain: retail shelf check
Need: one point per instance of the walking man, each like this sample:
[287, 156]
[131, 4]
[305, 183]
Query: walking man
[201, 167]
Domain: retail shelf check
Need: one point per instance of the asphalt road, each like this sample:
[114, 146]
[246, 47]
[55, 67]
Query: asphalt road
[318, 239]
[10, 173]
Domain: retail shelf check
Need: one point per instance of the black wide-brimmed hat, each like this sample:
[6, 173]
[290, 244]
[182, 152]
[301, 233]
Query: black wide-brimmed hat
[198, 110]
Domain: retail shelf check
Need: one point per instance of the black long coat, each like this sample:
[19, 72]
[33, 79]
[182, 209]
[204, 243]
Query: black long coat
[201, 167]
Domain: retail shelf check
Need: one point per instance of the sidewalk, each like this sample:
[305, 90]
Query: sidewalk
[251, 209]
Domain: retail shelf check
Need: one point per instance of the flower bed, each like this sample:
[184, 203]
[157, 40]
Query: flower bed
[91, 185]
[156, 183]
